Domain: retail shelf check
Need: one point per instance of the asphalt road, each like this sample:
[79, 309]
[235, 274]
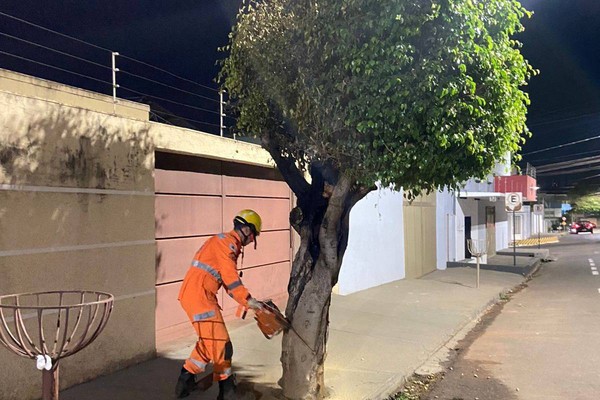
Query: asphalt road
[542, 344]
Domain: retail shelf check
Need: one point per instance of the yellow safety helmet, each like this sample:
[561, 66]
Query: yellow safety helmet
[250, 218]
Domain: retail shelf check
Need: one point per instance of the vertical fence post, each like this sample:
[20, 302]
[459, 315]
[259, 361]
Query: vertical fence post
[221, 115]
[114, 80]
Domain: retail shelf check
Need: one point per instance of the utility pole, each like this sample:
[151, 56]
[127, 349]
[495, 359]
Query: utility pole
[514, 240]
[514, 202]
[221, 115]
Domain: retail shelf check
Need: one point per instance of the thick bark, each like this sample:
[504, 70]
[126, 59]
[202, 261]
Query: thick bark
[315, 270]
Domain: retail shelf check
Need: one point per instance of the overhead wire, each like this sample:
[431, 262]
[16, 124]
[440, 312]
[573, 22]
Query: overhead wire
[561, 145]
[158, 112]
[54, 50]
[169, 73]
[105, 49]
[568, 164]
[170, 101]
[566, 119]
[107, 67]
[165, 85]
[50, 30]
[55, 67]
[558, 110]
[571, 172]
[534, 161]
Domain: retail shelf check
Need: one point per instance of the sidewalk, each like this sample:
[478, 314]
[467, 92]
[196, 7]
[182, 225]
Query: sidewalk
[378, 338]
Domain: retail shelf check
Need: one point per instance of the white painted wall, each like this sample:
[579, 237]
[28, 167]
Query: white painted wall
[523, 220]
[479, 185]
[375, 253]
[537, 224]
[445, 228]
[450, 216]
[502, 226]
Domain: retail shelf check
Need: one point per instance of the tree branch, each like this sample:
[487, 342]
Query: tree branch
[360, 193]
[287, 166]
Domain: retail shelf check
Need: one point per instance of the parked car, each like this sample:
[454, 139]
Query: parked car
[582, 226]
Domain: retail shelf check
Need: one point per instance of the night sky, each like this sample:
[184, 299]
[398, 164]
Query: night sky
[562, 40]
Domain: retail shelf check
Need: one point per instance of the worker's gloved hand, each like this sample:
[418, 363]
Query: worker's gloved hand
[254, 304]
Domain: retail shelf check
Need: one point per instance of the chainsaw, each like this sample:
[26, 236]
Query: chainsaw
[272, 322]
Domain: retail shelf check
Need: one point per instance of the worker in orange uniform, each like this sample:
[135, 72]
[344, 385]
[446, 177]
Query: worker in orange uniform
[213, 266]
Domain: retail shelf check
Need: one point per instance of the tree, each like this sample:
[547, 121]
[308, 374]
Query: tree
[588, 205]
[416, 94]
[585, 198]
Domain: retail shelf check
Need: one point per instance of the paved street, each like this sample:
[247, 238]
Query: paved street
[544, 343]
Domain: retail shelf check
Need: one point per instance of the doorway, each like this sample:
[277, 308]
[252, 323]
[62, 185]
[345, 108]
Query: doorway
[467, 236]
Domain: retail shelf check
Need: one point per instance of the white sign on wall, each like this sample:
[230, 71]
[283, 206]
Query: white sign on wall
[513, 201]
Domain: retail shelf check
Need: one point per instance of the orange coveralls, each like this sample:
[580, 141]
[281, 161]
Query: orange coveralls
[213, 266]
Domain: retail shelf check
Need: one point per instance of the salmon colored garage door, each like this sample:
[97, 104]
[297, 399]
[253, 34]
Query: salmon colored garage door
[197, 198]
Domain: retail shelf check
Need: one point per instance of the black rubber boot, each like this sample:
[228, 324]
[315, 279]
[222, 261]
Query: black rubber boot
[185, 384]
[228, 390]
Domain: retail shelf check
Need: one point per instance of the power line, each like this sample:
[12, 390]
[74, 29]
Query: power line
[167, 72]
[578, 161]
[55, 67]
[170, 101]
[169, 86]
[574, 171]
[159, 113]
[55, 32]
[105, 49]
[563, 119]
[569, 165]
[561, 145]
[558, 110]
[534, 161]
[54, 50]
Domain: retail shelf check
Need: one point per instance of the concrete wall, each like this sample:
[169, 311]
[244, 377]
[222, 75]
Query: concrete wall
[420, 235]
[446, 236]
[502, 233]
[77, 212]
[523, 223]
[375, 253]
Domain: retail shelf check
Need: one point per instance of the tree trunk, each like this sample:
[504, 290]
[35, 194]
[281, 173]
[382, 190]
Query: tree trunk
[315, 271]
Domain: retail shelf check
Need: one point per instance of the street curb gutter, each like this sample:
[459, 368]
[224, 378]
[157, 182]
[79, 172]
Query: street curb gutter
[432, 364]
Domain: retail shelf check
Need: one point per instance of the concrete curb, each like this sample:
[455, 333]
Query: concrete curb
[524, 270]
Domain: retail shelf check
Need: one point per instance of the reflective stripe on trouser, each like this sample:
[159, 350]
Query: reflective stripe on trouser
[210, 347]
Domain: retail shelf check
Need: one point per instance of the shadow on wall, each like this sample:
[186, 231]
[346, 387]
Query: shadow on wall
[78, 177]
[44, 143]
[77, 212]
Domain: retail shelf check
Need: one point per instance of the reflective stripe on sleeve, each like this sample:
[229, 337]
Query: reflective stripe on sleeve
[208, 269]
[221, 236]
[234, 285]
[203, 316]
[224, 374]
[198, 364]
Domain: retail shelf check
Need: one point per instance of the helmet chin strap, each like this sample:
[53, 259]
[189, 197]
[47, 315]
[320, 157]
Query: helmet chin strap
[245, 239]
